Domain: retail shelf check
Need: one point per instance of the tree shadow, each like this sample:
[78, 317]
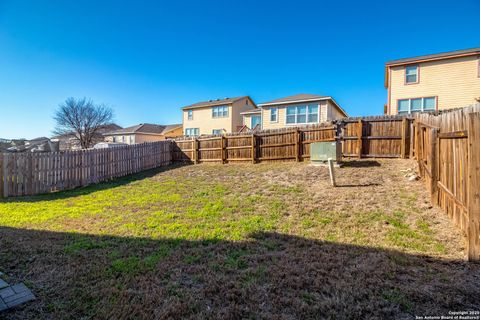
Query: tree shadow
[104, 185]
[270, 275]
[360, 163]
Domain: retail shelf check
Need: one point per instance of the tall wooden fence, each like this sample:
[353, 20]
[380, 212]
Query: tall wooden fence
[380, 137]
[447, 148]
[35, 173]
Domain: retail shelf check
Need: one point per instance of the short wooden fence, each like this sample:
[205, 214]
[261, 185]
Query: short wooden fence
[379, 137]
[35, 173]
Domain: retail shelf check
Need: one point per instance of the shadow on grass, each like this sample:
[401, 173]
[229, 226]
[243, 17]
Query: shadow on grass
[358, 185]
[270, 275]
[117, 182]
[360, 163]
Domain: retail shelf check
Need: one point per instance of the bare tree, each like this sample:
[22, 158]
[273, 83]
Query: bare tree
[81, 118]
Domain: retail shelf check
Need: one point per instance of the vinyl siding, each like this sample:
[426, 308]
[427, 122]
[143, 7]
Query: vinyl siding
[328, 111]
[238, 107]
[202, 119]
[455, 82]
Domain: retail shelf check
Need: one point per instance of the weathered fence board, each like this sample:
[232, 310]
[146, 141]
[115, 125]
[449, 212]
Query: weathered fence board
[35, 173]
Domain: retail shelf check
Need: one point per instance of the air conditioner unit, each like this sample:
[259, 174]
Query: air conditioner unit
[322, 151]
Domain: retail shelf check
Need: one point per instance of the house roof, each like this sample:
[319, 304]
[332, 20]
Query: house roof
[301, 97]
[295, 98]
[255, 110]
[212, 103]
[146, 128]
[436, 56]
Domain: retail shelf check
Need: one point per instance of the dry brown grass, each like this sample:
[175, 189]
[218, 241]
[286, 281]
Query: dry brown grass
[270, 241]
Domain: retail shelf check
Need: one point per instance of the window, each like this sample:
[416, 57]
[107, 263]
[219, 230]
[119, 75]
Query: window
[220, 112]
[417, 105]
[274, 115]
[411, 74]
[190, 114]
[192, 132]
[217, 131]
[302, 114]
[256, 121]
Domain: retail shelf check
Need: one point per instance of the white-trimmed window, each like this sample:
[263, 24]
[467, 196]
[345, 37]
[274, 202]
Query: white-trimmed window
[411, 74]
[217, 131]
[190, 114]
[192, 132]
[220, 112]
[417, 105]
[302, 114]
[273, 114]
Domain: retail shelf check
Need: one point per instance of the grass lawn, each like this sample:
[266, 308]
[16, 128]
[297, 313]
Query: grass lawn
[238, 241]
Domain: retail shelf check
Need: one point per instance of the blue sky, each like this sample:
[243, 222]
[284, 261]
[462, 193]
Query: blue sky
[148, 59]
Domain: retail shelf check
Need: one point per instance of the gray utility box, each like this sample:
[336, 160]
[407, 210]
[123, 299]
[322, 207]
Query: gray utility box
[321, 151]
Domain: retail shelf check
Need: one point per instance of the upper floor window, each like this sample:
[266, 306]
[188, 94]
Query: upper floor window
[192, 132]
[417, 105]
[220, 112]
[411, 74]
[302, 114]
[190, 114]
[274, 115]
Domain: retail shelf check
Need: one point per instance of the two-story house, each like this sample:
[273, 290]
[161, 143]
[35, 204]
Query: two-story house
[215, 116]
[433, 82]
[297, 110]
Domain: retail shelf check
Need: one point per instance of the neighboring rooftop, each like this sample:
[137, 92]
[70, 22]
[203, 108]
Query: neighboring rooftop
[147, 128]
[296, 97]
[251, 111]
[301, 97]
[216, 102]
[436, 56]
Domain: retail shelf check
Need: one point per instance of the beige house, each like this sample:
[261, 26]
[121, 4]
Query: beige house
[215, 116]
[144, 132]
[433, 82]
[296, 110]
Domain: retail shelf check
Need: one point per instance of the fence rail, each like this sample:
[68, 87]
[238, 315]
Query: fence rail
[35, 173]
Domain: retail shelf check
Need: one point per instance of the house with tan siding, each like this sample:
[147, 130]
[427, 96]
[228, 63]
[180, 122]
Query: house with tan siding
[296, 110]
[433, 82]
[144, 132]
[215, 116]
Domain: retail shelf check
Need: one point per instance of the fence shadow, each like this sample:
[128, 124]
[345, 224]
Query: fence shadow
[270, 275]
[114, 183]
[360, 163]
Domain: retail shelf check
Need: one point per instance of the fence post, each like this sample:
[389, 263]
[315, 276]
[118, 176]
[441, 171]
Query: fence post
[412, 138]
[473, 187]
[403, 152]
[297, 145]
[224, 151]
[195, 150]
[5, 174]
[254, 146]
[359, 138]
[434, 165]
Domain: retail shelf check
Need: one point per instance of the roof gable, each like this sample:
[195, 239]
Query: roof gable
[297, 98]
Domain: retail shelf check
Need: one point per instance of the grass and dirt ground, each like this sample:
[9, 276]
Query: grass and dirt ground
[265, 241]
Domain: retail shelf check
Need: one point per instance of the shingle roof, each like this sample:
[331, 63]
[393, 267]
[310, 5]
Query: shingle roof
[436, 56]
[296, 97]
[146, 128]
[211, 103]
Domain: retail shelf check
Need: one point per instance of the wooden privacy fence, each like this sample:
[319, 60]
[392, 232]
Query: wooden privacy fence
[381, 137]
[35, 173]
[447, 148]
